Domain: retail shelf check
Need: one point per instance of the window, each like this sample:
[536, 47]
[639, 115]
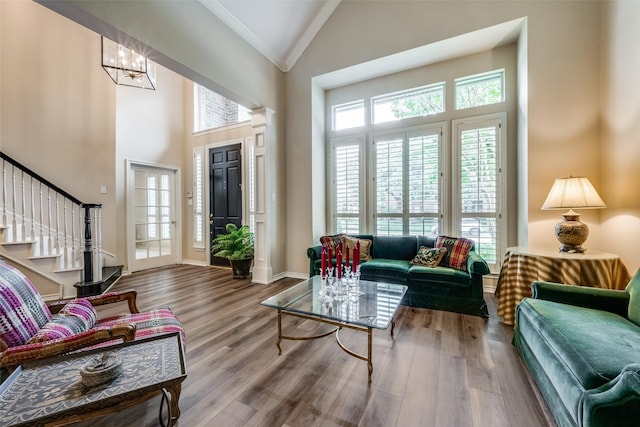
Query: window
[347, 116]
[212, 110]
[421, 177]
[480, 89]
[416, 102]
[479, 180]
[407, 182]
[197, 200]
[348, 183]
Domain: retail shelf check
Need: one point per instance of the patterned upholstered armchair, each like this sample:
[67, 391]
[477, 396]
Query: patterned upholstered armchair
[31, 328]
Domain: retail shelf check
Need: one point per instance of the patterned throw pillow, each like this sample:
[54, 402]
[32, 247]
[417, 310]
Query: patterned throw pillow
[22, 310]
[429, 257]
[75, 317]
[365, 246]
[457, 251]
[331, 241]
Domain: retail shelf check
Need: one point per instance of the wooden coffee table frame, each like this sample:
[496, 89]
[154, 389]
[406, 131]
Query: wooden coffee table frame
[169, 389]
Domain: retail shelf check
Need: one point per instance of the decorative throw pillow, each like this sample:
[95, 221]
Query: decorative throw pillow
[331, 242]
[457, 251]
[365, 246]
[75, 317]
[429, 257]
[22, 311]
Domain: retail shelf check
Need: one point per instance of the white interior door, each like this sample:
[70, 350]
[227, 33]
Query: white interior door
[152, 232]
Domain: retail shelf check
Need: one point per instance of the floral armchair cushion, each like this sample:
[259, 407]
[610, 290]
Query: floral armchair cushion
[22, 310]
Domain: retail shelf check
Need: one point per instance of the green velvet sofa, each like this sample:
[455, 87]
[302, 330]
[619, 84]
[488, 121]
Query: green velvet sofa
[441, 288]
[582, 347]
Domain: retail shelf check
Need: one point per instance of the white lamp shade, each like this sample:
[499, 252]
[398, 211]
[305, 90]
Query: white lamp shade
[573, 192]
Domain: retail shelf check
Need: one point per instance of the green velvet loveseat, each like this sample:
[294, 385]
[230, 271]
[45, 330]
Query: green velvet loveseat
[441, 288]
[582, 347]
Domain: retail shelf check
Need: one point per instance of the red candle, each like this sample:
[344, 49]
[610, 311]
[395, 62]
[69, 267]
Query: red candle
[347, 255]
[356, 255]
[339, 261]
[329, 256]
[324, 261]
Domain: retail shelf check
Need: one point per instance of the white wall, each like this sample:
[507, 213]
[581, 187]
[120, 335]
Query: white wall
[57, 105]
[149, 129]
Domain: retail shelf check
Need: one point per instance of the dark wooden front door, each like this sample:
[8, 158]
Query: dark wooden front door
[225, 183]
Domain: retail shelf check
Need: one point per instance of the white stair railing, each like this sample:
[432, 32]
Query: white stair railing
[54, 223]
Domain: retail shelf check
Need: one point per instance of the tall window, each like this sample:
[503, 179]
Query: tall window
[347, 200]
[479, 181]
[407, 181]
[212, 110]
[198, 196]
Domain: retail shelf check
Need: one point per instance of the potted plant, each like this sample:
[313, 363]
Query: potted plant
[236, 245]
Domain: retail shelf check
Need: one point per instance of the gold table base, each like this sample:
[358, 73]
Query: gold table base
[339, 325]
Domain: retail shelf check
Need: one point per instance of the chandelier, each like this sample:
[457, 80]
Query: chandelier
[127, 67]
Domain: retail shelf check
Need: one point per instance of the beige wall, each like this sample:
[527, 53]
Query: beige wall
[620, 149]
[57, 105]
[563, 70]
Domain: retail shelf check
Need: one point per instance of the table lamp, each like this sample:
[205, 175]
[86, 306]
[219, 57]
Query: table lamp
[572, 193]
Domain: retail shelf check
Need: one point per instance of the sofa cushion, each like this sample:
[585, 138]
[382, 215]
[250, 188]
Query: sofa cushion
[443, 275]
[75, 317]
[380, 269]
[633, 289]
[579, 348]
[429, 257]
[365, 246]
[394, 247]
[22, 310]
[458, 249]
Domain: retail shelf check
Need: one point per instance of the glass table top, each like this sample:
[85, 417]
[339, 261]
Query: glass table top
[374, 307]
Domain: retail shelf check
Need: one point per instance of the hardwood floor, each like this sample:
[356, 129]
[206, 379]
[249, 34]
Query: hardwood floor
[441, 369]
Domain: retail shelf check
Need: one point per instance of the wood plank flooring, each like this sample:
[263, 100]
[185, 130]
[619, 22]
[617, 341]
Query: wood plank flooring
[442, 369]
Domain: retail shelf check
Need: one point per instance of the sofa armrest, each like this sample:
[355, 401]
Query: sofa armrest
[610, 300]
[616, 403]
[313, 253]
[476, 264]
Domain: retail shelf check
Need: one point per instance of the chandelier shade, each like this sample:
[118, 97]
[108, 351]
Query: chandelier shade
[127, 67]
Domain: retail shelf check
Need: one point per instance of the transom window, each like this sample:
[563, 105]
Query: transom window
[480, 89]
[416, 102]
[347, 116]
[212, 110]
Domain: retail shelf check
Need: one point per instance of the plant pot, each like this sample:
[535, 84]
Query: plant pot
[241, 267]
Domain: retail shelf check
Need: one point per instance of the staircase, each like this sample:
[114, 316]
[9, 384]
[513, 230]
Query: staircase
[48, 231]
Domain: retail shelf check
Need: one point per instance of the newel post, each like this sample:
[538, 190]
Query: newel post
[88, 242]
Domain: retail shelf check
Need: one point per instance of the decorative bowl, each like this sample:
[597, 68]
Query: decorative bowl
[101, 369]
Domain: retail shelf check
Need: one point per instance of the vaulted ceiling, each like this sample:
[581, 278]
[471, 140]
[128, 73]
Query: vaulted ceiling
[279, 29]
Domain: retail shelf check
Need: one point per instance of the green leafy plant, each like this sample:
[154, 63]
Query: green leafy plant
[236, 243]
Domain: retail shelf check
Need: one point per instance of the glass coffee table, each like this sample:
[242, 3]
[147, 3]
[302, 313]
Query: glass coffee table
[374, 307]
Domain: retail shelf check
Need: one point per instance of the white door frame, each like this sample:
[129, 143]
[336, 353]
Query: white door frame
[176, 250]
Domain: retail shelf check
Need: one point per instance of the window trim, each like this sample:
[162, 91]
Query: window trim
[331, 180]
[198, 193]
[480, 76]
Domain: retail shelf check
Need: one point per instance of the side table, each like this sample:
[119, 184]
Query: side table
[522, 266]
[49, 392]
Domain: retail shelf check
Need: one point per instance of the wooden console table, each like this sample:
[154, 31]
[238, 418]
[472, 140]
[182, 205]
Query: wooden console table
[522, 266]
[49, 392]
